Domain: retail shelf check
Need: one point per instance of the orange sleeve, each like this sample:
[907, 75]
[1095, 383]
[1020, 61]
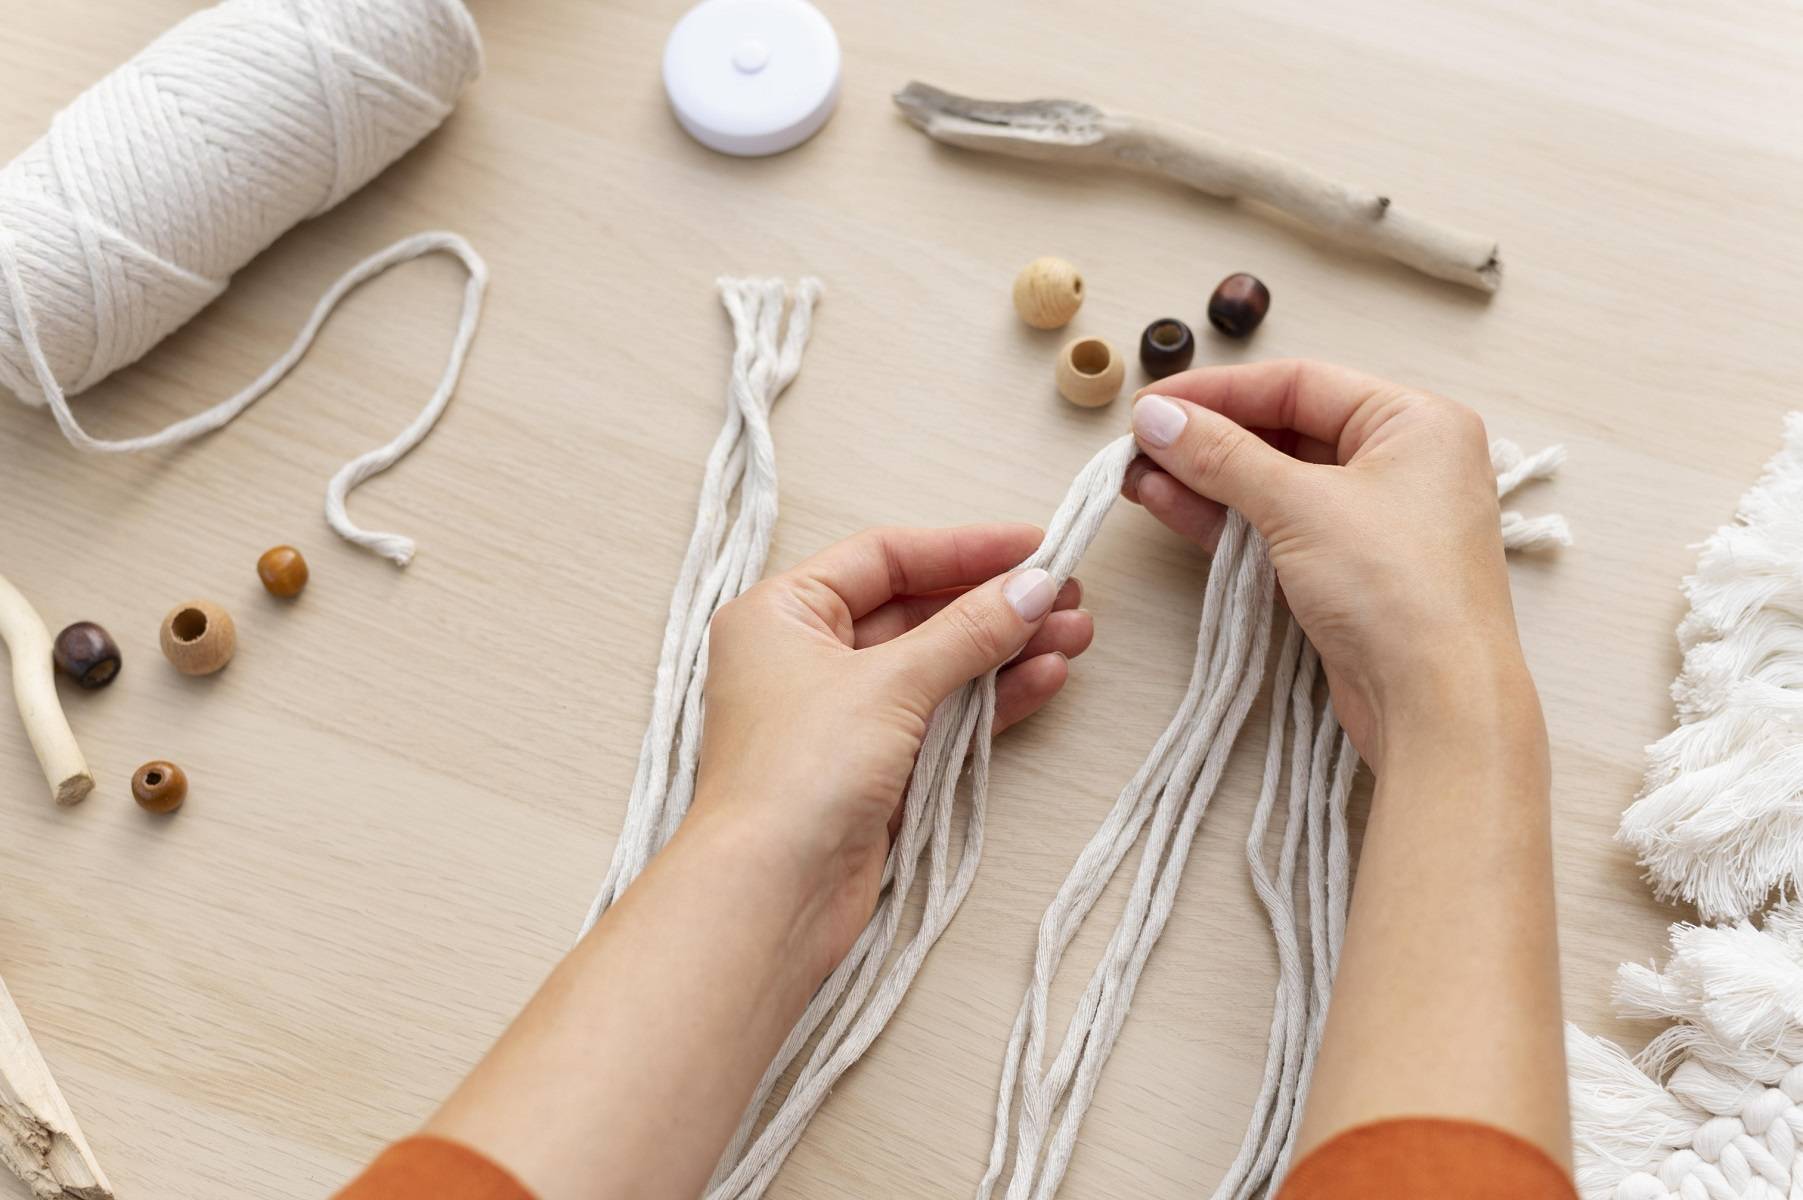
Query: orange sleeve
[430, 1168]
[1427, 1158]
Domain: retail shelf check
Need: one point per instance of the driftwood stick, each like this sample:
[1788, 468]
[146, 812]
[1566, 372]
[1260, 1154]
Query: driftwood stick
[39, 1139]
[34, 686]
[1070, 131]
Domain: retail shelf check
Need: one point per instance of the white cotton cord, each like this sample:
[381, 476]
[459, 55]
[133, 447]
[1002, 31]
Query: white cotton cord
[867, 996]
[1172, 788]
[1323, 770]
[728, 548]
[1292, 708]
[939, 844]
[392, 546]
[171, 173]
[1513, 469]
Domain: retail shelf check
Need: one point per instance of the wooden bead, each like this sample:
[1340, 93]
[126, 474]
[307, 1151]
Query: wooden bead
[1240, 302]
[1089, 372]
[1166, 347]
[283, 571]
[198, 637]
[1047, 293]
[159, 787]
[87, 654]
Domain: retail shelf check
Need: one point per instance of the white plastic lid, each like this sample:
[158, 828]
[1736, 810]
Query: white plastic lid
[752, 77]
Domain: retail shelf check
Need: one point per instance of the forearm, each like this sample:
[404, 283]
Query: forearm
[629, 1070]
[1447, 997]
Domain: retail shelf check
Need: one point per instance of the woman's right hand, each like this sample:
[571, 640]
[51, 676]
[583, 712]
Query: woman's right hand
[1380, 508]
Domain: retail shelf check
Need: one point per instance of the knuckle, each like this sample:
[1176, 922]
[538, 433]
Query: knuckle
[973, 632]
[1461, 420]
[731, 619]
[1215, 453]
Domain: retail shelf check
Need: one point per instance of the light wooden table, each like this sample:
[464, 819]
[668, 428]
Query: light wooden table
[406, 787]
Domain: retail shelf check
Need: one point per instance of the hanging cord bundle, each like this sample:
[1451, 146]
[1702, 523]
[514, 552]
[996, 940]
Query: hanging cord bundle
[170, 174]
[1171, 791]
[939, 844]
[726, 555]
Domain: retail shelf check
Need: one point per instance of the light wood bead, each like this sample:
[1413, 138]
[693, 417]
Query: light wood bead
[1047, 293]
[1090, 372]
[198, 637]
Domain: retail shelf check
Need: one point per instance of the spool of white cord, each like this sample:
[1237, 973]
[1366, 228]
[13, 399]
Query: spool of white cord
[163, 179]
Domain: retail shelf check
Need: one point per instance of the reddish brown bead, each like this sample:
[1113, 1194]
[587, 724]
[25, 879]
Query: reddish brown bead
[159, 787]
[87, 654]
[283, 571]
[1238, 305]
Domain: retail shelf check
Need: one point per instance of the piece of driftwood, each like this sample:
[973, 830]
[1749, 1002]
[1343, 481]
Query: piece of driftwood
[39, 1139]
[1071, 131]
[34, 686]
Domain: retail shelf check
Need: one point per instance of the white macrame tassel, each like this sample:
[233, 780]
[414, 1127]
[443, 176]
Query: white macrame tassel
[1719, 822]
[1713, 1107]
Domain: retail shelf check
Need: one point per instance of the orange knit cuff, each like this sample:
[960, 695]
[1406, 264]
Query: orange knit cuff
[1427, 1158]
[431, 1168]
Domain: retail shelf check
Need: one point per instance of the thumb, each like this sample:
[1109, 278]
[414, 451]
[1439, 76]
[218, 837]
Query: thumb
[974, 634]
[1215, 456]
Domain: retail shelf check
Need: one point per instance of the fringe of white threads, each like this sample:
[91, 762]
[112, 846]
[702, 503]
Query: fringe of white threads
[1513, 469]
[1712, 1109]
[1719, 822]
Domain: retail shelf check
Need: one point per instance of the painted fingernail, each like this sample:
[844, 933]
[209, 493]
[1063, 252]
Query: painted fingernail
[1157, 420]
[1030, 594]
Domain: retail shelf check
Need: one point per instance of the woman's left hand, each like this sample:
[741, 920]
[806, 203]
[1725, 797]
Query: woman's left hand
[821, 681]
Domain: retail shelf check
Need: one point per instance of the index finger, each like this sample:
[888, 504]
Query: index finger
[873, 567]
[1330, 404]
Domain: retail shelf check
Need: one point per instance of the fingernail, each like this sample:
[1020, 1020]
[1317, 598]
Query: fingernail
[1077, 589]
[1030, 594]
[1157, 420]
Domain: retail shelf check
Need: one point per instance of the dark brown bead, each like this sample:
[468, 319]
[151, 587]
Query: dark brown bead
[283, 571]
[159, 787]
[1238, 305]
[87, 654]
[1166, 347]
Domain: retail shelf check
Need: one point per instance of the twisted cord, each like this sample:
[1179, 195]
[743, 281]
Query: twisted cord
[171, 173]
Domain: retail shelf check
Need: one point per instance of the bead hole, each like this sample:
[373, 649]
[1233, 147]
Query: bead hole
[153, 777]
[189, 624]
[1166, 335]
[1090, 356]
[1077, 286]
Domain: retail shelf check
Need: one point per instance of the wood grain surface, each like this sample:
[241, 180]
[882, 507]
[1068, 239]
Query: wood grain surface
[406, 786]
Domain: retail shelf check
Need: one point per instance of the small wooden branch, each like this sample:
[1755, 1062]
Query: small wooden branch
[39, 1139]
[1070, 131]
[34, 686]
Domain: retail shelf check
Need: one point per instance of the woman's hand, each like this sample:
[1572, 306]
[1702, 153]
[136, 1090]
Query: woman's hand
[1380, 508]
[821, 681]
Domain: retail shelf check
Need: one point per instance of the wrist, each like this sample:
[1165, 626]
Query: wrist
[756, 862]
[1476, 701]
